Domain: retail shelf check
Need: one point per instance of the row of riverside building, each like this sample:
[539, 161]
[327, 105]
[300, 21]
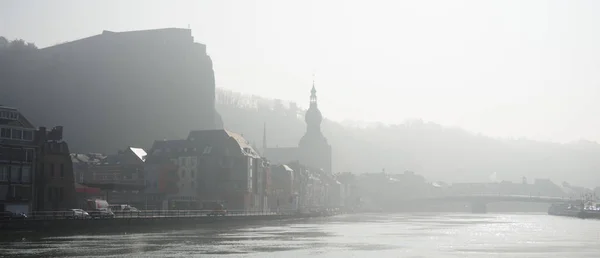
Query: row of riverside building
[38, 173]
[35, 166]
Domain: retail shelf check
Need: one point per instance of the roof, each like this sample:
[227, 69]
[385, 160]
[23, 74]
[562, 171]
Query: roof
[171, 144]
[209, 136]
[139, 152]
[287, 168]
[22, 121]
[281, 168]
[89, 158]
[165, 149]
[244, 144]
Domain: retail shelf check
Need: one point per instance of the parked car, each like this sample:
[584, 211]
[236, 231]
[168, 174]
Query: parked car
[78, 214]
[9, 215]
[215, 209]
[101, 213]
[124, 210]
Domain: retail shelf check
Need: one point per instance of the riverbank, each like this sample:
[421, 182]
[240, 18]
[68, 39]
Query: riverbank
[578, 214]
[133, 224]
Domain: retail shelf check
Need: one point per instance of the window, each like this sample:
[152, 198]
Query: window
[56, 194]
[29, 155]
[193, 184]
[250, 172]
[5, 132]
[27, 135]
[15, 174]
[60, 194]
[9, 115]
[51, 169]
[17, 134]
[26, 175]
[3, 192]
[50, 194]
[207, 150]
[22, 192]
[4, 173]
[62, 170]
[192, 172]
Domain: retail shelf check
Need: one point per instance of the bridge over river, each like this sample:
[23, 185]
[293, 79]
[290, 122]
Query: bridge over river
[478, 202]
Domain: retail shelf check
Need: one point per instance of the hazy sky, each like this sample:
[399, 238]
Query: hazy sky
[502, 68]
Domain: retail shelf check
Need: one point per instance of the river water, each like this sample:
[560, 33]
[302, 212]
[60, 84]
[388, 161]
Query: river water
[366, 235]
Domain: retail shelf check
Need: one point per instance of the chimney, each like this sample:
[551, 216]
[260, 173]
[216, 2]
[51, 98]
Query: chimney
[40, 135]
[56, 134]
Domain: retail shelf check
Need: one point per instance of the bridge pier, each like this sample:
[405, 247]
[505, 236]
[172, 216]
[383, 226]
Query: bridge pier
[479, 207]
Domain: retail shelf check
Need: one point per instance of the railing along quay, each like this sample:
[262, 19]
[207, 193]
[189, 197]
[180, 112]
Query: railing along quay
[131, 221]
[144, 214]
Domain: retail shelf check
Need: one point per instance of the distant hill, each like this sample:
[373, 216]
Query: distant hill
[437, 152]
[159, 84]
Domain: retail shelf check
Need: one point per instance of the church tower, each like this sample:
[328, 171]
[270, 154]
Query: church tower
[314, 149]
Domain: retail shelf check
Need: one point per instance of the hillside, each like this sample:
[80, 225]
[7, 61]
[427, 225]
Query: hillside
[437, 152]
[107, 101]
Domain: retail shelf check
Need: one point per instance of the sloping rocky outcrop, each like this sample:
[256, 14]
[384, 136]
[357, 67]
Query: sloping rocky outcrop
[114, 89]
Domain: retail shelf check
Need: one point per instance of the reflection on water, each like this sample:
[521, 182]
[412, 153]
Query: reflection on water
[384, 235]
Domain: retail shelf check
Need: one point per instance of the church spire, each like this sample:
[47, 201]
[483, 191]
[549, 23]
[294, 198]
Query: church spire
[313, 95]
[313, 116]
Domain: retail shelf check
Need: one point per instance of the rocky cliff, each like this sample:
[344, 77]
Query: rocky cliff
[114, 89]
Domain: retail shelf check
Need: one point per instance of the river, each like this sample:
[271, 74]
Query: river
[365, 235]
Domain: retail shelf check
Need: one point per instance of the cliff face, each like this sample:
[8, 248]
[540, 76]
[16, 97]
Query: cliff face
[116, 89]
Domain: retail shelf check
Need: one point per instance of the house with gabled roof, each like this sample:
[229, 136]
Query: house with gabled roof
[211, 166]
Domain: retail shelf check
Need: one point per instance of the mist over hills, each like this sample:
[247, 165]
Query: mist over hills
[435, 151]
[129, 105]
